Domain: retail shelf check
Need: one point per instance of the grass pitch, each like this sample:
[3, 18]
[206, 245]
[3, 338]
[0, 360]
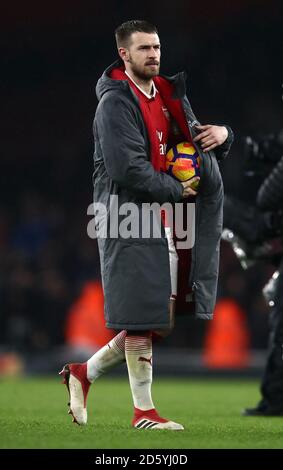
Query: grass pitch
[34, 415]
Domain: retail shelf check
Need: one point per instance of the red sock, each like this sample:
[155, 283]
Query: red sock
[152, 415]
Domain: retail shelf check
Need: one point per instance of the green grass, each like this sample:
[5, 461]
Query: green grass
[34, 415]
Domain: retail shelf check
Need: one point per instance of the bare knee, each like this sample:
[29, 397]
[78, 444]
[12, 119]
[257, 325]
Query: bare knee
[164, 332]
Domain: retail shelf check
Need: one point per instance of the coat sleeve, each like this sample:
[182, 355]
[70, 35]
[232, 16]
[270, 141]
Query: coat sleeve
[124, 152]
[222, 151]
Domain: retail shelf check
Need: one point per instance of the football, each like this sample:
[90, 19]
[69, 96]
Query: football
[183, 162]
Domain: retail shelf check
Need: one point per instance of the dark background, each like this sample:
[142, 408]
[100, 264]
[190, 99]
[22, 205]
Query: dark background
[51, 58]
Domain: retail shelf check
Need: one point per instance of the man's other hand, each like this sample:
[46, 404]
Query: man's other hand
[188, 190]
[211, 136]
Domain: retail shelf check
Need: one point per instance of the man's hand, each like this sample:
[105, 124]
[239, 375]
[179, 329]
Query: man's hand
[188, 190]
[211, 136]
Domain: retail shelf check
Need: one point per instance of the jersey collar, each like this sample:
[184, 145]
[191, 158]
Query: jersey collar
[154, 89]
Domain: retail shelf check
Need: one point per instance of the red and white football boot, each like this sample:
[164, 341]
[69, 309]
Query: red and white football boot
[75, 379]
[150, 419]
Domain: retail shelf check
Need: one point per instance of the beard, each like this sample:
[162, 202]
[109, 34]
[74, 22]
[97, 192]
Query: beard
[143, 72]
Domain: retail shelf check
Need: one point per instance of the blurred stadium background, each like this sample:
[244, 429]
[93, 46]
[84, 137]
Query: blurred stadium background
[52, 56]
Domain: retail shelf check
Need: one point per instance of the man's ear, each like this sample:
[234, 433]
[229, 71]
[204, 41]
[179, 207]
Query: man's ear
[124, 54]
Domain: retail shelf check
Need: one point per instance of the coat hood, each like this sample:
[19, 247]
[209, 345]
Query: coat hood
[106, 83]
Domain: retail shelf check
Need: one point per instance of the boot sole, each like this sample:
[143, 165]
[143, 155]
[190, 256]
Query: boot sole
[65, 373]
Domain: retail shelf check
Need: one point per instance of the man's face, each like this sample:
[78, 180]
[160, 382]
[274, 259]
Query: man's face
[142, 55]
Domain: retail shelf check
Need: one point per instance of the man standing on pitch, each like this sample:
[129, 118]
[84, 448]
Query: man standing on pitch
[139, 115]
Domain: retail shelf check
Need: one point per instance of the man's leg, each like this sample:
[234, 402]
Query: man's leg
[79, 377]
[173, 262]
[271, 403]
[271, 388]
[112, 354]
[138, 352]
[159, 334]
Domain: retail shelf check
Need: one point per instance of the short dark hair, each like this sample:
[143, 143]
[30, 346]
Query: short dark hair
[125, 30]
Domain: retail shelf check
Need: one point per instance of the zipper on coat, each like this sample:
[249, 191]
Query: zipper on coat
[192, 278]
[192, 122]
[194, 286]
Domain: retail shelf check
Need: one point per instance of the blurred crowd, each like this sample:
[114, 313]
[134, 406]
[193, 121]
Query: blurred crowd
[45, 259]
